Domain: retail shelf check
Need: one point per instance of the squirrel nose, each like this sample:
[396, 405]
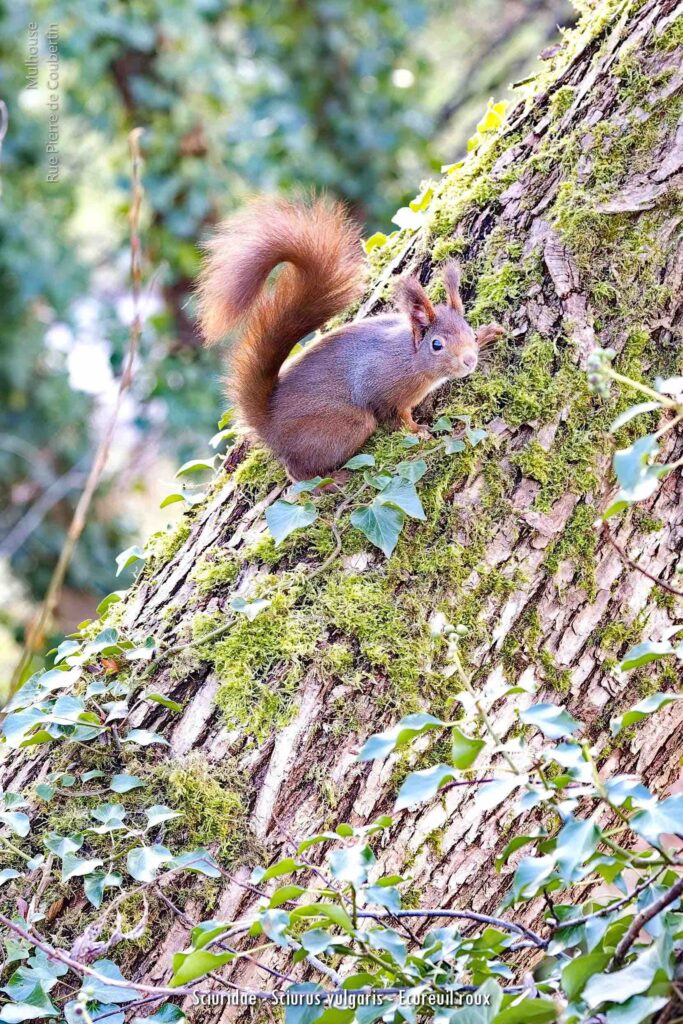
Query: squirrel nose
[469, 360]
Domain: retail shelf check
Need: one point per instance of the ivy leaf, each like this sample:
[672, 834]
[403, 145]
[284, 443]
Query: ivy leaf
[637, 1009]
[204, 933]
[304, 1011]
[61, 845]
[516, 844]
[284, 894]
[351, 864]
[111, 816]
[528, 1011]
[637, 477]
[423, 785]
[629, 414]
[7, 874]
[144, 652]
[493, 793]
[576, 974]
[188, 967]
[381, 524]
[166, 702]
[65, 649]
[35, 1005]
[464, 750]
[168, 1013]
[623, 788]
[124, 783]
[158, 813]
[332, 911]
[310, 485]
[199, 860]
[444, 424]
[144, 737]
[286, 866]
[250, 609]
[383, 743]
[362, 461]
[553, 721]
[144, 862]
[131, 556]
[17, 822]
[453, 445]
[474, 436]
[283, 518]
[661, 817]
[390, 941]
[316, 940]
[386, 896]
[104, 993]
[274, 923]
[74, 867]
[403, 494]
[197, 466]
[95, 884]
[618, 986]
[109, 600]
[575, 842]
[641, 710]
[531, 876]
[643, 653]
[412, 471]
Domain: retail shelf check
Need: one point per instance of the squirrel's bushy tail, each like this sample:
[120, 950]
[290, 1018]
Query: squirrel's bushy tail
[322, 250]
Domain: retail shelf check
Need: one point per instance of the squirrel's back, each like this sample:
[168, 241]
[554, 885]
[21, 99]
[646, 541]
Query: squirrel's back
[322, 249]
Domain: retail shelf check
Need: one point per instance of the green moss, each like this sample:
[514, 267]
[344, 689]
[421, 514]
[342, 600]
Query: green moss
[258, 474]
[561, 101]
[663, 599]
[389, 631]
[215, 571]
[212, 800]
[577, 542]
[617, 637]
[165, 544]
[435, 841]
[260, 663]
[560, 679]
[671, 38]
[447, 248]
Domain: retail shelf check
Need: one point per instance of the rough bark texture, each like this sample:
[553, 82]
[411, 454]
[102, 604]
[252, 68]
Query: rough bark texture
[567, 226]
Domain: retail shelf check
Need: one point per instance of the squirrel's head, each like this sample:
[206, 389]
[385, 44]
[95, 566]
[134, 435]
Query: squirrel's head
[445, 344]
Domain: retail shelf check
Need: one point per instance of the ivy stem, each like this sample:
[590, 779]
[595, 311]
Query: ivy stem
[667, 403]
[15, 849]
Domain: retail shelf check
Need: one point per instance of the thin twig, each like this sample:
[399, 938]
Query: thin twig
[34, 636]
[468, 915]
[571, 922]
[634, 565]
[643, 917]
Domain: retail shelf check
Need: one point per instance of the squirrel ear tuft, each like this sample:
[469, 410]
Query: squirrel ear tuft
[412, 299]
[451, 280]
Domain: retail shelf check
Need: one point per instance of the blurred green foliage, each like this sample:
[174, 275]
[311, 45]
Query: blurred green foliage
[235, 98]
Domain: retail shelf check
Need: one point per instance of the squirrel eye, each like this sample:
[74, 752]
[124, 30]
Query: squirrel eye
[437, 344]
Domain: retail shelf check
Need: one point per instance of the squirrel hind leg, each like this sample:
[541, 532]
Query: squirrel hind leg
[310, 446]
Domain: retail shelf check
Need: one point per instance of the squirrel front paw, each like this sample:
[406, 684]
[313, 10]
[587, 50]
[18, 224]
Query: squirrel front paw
[488, 334]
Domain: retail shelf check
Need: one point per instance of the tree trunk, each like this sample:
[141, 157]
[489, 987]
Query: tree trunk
[567, 228]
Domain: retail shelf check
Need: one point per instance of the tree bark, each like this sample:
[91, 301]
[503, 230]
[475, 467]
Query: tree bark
[567, 227]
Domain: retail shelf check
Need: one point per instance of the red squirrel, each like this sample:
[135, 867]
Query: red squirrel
[323, 406]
